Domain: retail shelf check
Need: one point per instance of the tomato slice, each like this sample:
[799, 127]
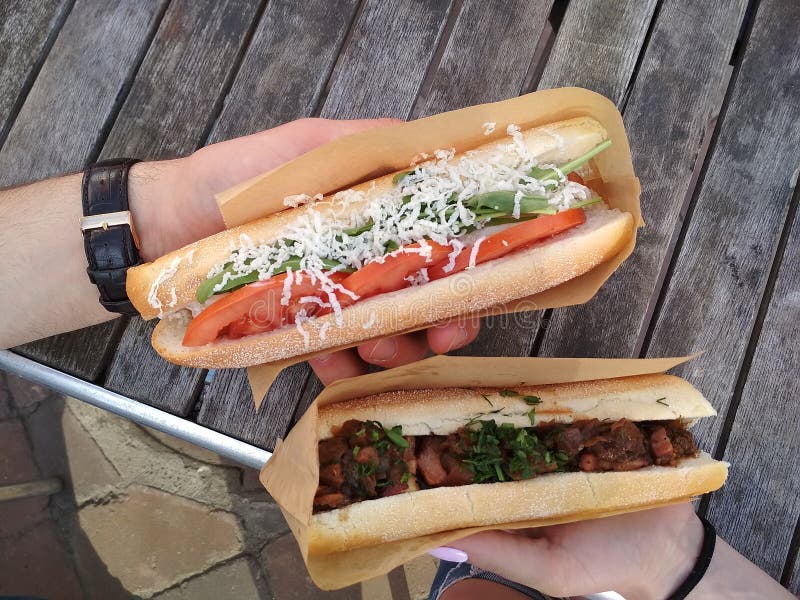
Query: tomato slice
[389, 276]
[254, 308]
[513, 238]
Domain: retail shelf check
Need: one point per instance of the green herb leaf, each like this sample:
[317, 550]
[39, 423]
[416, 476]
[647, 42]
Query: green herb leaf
[400, 176]
[354, 231]
[405, 477]
[532, 399]
[503, 202]
[566, 169]
[206, 289]
[391, 246]
[532, 416]
[508, 393]
[356, 450]
[395, 435]
[589, 202]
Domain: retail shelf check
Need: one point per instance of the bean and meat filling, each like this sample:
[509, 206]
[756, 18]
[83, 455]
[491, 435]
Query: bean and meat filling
[364, 460]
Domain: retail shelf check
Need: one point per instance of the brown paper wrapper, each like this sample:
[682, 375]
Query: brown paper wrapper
[292, 474]
[363, 156]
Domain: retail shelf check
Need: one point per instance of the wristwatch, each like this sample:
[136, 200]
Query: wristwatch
[108, 234]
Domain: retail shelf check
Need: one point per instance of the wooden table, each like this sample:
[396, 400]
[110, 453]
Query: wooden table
[710, 93]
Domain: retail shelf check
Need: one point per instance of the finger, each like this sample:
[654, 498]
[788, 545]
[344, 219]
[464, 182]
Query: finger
[221, 165]
[303, 135]
[337, 365]
[330, 129]
[514, 557]
[453, 334]
[394, 351]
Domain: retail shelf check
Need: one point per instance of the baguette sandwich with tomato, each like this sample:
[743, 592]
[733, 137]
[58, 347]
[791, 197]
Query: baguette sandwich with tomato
[404, 464]
[453, 235]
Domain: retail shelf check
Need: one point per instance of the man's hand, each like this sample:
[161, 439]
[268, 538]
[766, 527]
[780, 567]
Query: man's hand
[173, 205]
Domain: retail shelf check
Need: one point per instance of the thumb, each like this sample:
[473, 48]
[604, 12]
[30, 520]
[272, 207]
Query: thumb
[516, 557]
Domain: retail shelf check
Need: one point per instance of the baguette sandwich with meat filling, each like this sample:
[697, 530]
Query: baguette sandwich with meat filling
[452, 235]
[405, 464]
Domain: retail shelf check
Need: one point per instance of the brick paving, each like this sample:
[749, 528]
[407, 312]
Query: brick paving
[143, 515]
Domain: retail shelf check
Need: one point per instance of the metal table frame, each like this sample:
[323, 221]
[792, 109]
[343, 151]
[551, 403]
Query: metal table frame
[138, 412]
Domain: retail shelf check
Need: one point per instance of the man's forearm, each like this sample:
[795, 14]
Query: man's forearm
[44, 288]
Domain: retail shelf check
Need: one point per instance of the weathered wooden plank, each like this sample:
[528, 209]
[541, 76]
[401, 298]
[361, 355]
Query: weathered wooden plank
[595, 47]
[227, 405]
[26, 28]
[182, 77]
[138, 372]
[77, 89]
[83, 353]
[311, 390]
[487, 55]
[677, 93]
[757, 509]
[414, 27]
[487, 58]
[721, 269]
[384, 63]
[718, 280]
[279, 80]
[166, 114]
[57, 127]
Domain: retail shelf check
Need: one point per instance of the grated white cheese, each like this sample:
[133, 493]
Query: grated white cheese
[300, 199]
[473, 255]
[286, 294]
[457, 248]
[418, 278]
[152, 295]
[431, 202]
[323, 331]
[517, 199]
[371, 321]
[299, 319]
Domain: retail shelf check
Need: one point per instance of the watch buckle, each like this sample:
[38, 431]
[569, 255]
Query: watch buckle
[106, 220]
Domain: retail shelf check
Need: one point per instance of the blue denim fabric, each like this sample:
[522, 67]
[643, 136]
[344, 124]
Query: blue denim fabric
[450, 573]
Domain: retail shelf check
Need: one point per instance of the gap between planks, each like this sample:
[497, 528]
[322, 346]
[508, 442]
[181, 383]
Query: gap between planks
[27, 86]
[119, 101]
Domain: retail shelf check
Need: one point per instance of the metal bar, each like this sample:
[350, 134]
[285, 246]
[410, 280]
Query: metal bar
[133, 410]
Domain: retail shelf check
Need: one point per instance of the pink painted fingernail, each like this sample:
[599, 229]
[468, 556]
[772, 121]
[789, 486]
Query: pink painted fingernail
[449, 554]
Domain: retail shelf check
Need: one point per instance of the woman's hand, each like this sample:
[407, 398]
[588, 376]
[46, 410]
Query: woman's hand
[640, 555]
[643, 555]
[173, 205]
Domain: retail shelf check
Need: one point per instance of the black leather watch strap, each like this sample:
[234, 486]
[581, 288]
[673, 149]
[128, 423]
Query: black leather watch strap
[108, 234]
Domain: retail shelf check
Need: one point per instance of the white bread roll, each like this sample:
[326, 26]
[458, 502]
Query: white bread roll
[580, 495]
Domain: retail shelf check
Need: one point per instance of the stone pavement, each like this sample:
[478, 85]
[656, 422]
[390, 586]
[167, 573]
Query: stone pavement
[144, 515]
